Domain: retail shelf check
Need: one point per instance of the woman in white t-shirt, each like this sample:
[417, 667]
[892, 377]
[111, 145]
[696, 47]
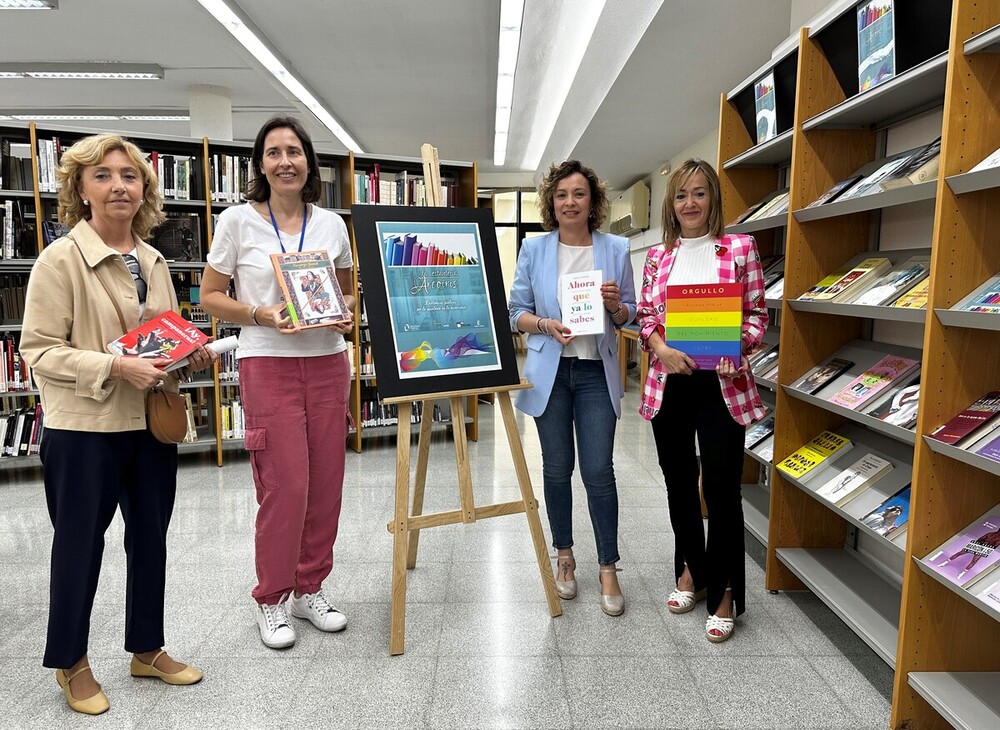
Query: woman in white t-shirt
[294, 383]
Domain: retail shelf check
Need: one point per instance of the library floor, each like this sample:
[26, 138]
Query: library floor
[481, 649]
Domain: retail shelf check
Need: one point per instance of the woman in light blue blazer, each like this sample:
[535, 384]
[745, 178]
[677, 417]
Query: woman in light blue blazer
[576, 379]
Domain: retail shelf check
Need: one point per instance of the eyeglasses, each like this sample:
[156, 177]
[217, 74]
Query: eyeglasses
[140, 284]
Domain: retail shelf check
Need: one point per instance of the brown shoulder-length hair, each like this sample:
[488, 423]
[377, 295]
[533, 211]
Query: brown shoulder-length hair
[679, 177]
[547, 191]
[259, 189]
[91, 151]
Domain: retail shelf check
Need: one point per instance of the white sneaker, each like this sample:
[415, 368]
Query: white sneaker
[318, 610]
[275, 629]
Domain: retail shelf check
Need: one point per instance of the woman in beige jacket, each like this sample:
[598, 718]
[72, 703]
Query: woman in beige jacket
[97, 454]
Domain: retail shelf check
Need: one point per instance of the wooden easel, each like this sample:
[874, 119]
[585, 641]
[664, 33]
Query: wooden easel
[405, 525]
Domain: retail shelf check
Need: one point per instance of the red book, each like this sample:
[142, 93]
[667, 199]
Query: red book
[166, 338]
[971, 424]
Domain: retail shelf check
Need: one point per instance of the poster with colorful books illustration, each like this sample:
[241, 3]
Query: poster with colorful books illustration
[876, 44]
[969, 554]
[705, 321]
[432, 277]
[310, 288]
[767, 120]
[874, 380]
[166, 338]
[581, 303]
[890, 516]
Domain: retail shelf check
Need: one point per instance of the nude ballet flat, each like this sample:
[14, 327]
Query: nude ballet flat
[92, 705]
[188, 675]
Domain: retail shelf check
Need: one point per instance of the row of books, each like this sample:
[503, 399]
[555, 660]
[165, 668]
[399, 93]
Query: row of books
[764, 362]
[375, 413]
[812, 463]
[17, 230]
[15, 165]
[402, 188]
[21, 431]
[12, 289]
[875, 281]
[179, 176]
[15, 375]
[228, 176]
[975, 428]
[232, 421]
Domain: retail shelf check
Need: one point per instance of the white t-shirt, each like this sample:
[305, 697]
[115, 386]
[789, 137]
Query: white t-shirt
[573, 260]
[694, 262]
[242, 247]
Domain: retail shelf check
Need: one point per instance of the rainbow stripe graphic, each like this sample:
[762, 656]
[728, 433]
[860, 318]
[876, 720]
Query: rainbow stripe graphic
[705, 322]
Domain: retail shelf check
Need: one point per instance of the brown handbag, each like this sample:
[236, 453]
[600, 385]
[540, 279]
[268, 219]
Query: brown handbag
[166, 412]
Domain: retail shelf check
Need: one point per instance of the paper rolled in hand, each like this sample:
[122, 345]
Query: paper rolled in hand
[226, 344]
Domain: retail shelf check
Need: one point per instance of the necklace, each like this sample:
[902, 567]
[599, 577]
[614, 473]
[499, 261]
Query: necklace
[302, 235]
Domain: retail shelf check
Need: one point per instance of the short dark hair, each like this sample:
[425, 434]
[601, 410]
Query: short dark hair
[547, 191]
[259, 189]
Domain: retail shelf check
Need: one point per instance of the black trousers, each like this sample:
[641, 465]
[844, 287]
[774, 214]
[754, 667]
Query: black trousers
[87, 477]
[693, 406]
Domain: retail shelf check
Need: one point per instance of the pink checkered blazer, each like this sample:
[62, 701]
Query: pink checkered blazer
[738, 260]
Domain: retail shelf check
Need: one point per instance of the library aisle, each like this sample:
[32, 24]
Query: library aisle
[481, 649]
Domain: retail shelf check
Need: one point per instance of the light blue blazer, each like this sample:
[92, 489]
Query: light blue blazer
[535, 290]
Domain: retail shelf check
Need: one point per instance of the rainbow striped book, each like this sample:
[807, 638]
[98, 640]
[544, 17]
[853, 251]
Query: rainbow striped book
[705, 321]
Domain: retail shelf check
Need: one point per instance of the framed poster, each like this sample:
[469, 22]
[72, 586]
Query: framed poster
[437, 311]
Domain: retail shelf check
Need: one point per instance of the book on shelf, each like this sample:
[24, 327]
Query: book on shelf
[923, 166]
[985, 299]
[990, 595]
[763, 98]
[809, 459]
[581, 303]
[899, 279]
[178, 238]
[852, 481]
[767, 361]
[976, 421]
[875, 379]
[771, 207]
[765, 449]
[747, 213]
[51, 230]
[872, 181]
[310, 288]
[876, 43]
[757, 432]
[970, 554]
[991, 160]
[991, 449]
[820, 376]
[836, 191]
[916, 297]
[824, 284]
[898, 405]
[166, 338]
[860, 276]
[705, 321]
[773, 268]
[891, 516]
[776, 290]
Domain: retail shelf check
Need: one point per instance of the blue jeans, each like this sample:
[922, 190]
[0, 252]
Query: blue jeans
[580, 397]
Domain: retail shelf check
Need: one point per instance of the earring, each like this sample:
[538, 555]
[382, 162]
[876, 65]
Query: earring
[86, 202]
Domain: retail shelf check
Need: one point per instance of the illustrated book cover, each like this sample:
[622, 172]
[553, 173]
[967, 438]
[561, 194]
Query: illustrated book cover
[806, 461]
[916, 297]
[922, 167]
[897, 406]
[971, 424]
[971, 553]
[167, 338]
[874, 380]
[857, 279]
[852, 481]
[835, 192]
[758, 432]
[991, 450]
[896, 281]
[876, 44]
[767, 120]
[987, 298]
[822, 375]
[824, 284]
[705, 321]
[310, 288]
[890, 516]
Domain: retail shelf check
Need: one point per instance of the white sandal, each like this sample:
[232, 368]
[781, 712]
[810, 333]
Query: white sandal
[683, 601]
[718, 629]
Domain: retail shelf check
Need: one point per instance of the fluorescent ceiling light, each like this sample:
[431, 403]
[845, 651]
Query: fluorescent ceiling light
[125, 71]
[95, 115]
[29, 4]
[509, 41]
[241, 31]
[65, 117]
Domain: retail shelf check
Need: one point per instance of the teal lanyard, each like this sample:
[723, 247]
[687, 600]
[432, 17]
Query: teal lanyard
[302, 236]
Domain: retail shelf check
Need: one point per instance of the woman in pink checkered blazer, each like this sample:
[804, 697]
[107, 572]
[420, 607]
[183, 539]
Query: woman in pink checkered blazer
[684, 402]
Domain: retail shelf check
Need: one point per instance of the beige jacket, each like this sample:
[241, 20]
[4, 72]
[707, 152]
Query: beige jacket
[69, 319]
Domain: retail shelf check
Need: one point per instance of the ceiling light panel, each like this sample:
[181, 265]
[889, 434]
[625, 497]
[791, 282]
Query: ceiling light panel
[29, 4]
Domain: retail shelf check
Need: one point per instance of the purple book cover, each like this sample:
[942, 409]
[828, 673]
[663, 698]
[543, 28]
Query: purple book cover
[991, 450]
[970, 553]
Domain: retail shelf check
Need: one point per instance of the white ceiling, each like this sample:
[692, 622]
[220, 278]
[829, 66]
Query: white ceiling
[398, 73]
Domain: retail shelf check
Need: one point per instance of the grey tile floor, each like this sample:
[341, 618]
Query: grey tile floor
[481, 649]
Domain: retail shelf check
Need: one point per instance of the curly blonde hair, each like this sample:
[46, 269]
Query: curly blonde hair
[547, 190]
[91, 151]
[680, 176]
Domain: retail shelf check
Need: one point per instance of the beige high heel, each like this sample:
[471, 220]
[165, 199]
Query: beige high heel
[565, 588]
[93, 705]
[611, 605]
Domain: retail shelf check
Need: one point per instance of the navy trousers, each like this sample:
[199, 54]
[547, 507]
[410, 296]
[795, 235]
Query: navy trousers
[88, 476]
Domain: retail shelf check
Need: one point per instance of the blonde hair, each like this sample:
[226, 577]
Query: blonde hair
[547, 190]
[91, 151]
[680, 176]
